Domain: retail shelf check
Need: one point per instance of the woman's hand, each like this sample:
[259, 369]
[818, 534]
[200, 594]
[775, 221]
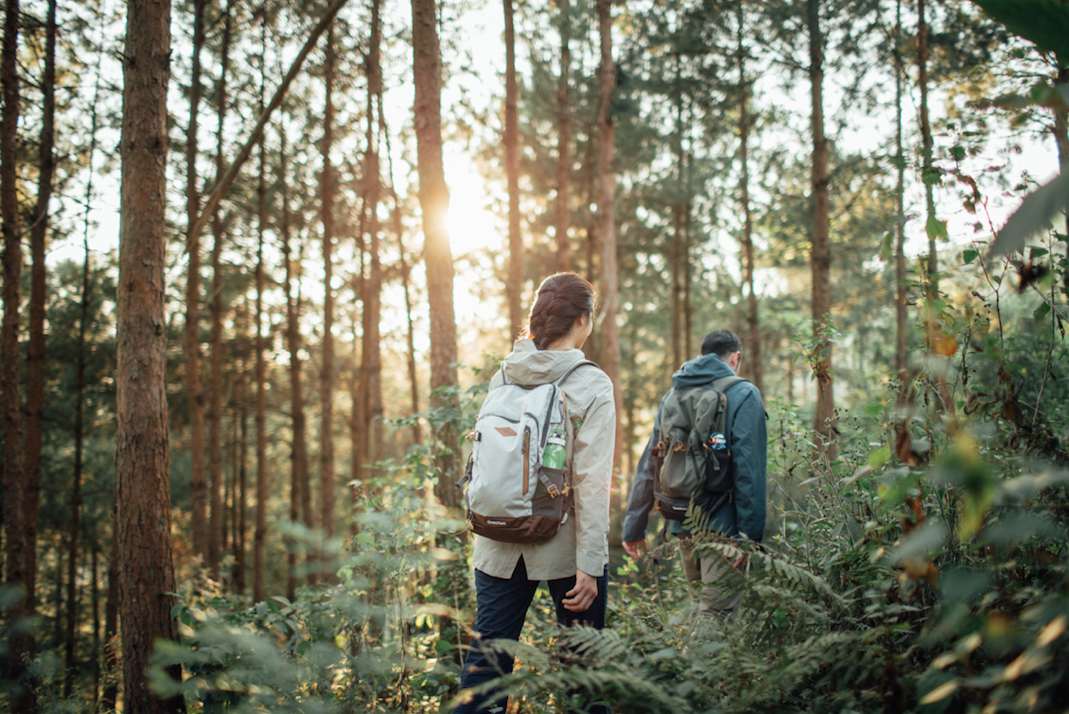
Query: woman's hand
[581, 597]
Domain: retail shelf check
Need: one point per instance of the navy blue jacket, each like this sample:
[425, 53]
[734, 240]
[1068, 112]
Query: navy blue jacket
[747, 439]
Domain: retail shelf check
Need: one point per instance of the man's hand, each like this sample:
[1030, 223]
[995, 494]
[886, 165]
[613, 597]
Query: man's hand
[634, 548]
[581, 597]
[742, 562]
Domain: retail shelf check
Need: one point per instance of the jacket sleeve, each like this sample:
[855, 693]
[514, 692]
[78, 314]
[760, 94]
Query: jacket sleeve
[594, 443]
[640, 498]
[749, 443]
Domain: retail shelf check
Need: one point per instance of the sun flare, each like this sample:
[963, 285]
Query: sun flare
[472, 226]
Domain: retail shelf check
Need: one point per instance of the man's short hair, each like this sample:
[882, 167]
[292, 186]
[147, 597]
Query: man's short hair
[721, 343]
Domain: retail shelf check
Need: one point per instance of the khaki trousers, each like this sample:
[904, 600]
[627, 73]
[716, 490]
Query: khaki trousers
[721, 590]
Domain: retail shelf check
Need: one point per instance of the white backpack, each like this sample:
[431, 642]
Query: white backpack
[512, 496]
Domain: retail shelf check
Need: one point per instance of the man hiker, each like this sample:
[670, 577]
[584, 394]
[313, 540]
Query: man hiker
[743, 504]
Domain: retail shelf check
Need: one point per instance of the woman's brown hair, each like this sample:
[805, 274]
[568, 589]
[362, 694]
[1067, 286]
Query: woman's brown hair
[562, 299]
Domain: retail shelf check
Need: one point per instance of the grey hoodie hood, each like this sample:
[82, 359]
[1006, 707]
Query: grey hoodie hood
[701, 371]
[529, 365]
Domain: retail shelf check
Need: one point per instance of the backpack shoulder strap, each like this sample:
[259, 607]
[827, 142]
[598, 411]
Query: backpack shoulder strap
[568, 372]
[725, 383]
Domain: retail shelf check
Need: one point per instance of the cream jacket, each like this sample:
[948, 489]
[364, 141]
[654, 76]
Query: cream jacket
[583, 541]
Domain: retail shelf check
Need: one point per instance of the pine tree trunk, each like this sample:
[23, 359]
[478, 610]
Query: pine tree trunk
[194, 389]
[97, 656]
[564, 138]
[326, 375]
[512, 168]
[260, 534]
[371, 349]
[820, 256]
[609, 348]
[19, 562]
[215, 405]
[434, 202]
[410, 347]
[259, 540]
[753, 319]
[111, 626]
[241, 527]
[143, 499]
[926, 141]
[901, 353]
[300, 505]
[675, 251]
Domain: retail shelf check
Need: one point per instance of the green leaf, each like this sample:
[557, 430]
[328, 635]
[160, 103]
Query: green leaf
[1040, 312]
[931, 177]
[879, 457]
[937, 229]
[969, 255]
[1044, 22]
[873, 409]
[1038, 252]
[899, 162]
[1035, 214]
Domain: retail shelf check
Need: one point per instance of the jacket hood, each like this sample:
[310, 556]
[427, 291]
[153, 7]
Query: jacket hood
[701, 371]
[529, 365]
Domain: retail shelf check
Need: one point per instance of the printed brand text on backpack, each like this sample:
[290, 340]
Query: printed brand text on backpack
[692, 462]
[517, 488]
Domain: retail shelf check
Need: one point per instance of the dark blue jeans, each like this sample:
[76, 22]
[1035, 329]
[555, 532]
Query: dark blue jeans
[501, 610]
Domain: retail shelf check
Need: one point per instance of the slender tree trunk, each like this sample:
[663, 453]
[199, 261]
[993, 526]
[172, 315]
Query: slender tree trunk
[19, 559]
[820, 257]
[111, 625]
[215, 405]
[194, 390]
[299, 453]
[241, 527]
[371, 349]
[410, 346]
[94, 593]
[753, 320]
[564, 138]
[610, 345]
[326, 375]
[900, 215]
[79, 395]
[512, 168]
[260, 535]
[675, 252]
[76, 480]
[1061, 130]
[434, 201]
[146, 570]
[926, 139]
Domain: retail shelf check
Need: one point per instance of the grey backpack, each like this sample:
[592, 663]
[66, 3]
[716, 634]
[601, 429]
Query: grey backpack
[692, 461]
[517, 488]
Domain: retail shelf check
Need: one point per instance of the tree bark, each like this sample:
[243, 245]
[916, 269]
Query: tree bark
[820, 255]
[753, 318]
[326, 374]
[20, 562]
[146, 570]
[215, 403]
[410, 346]
[371, 349]
[901, 353]
[564, 138]
[259, 540]
[111, 625]
[512, 168]
[194, 388]
[35, 363]
[79, 401]
[1061, 131]
[610, 339]
[300, 505]
[675, 252]
[434, 202]
[926, 168]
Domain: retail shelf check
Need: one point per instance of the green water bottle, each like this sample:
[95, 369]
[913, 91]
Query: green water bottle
[553, 455]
